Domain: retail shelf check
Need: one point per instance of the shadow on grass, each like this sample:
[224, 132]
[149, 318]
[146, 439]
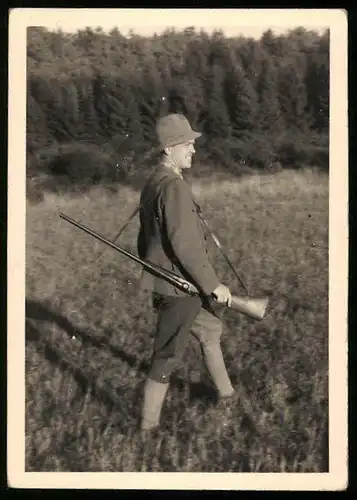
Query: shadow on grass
[112, 399]
[125, 404]
[41, 312]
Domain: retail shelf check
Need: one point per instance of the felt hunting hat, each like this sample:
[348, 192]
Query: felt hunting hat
[174, 129]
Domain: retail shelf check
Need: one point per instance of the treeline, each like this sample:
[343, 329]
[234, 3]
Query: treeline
[258, 102]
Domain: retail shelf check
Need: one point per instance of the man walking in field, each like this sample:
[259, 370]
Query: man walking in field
[171, 235]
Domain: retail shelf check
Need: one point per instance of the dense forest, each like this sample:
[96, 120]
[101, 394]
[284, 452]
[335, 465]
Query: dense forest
[259, 103]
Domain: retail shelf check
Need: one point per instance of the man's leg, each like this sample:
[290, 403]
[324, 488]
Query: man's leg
[207, 328]
[154, 396]
[175, 318]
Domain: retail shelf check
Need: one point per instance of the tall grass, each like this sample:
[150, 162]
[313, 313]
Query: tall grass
[89, 334]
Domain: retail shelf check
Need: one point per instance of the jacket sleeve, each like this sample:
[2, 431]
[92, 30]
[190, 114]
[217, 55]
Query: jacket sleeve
[186, 236]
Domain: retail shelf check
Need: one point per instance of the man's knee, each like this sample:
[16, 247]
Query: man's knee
[207, 329]
[211, 341]
[161, 370]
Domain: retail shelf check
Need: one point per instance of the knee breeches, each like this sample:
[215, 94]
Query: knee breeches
[178, 317]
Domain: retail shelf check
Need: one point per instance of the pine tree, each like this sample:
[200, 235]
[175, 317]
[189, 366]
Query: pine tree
[108, 108]
[272, 44]
[197, 77]
[220, 53]
[241, 100]
[293, 98]
[251, 57]
[37, 133]
[96, 86]
[89, 123]
[152, 100]
[318, 82]
[217, 118]
[269, 106]
[38, 45]
[85, 40]
[191, 98]
[197, 57]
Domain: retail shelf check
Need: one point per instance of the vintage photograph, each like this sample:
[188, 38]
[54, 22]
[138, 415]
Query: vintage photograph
[177, 244]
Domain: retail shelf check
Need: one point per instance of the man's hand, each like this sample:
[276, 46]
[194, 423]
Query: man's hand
[223, 295]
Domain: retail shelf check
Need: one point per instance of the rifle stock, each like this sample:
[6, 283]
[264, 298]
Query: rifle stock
[254, 308]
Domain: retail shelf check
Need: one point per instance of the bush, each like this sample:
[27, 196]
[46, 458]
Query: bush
[80, 165]
[217, 152]
[37, 161]
[77, 166]
[83, 164]
[252, 151]
[298, 153]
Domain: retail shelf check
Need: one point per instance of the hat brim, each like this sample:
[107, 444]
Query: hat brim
[189, 137]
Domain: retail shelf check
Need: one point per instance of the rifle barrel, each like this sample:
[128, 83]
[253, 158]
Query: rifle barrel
[252, 307]
[167, 275]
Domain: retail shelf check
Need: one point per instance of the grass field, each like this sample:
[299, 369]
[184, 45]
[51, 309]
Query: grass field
[89, 334]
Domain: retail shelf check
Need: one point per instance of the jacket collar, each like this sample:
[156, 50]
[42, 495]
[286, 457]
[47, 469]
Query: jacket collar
[169, 171]
[163, 171]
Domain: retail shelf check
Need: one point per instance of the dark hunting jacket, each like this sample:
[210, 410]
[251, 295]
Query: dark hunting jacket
[172, 235]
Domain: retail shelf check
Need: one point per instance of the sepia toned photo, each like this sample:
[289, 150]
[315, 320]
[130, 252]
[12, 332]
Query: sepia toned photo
[178, 263]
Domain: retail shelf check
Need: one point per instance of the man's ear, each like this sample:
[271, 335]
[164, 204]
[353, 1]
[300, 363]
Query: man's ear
[167, 151]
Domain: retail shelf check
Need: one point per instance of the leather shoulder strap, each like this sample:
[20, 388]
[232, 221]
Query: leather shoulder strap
[165, 181]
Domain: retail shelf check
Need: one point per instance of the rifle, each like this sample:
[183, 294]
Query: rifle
[254, 308]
